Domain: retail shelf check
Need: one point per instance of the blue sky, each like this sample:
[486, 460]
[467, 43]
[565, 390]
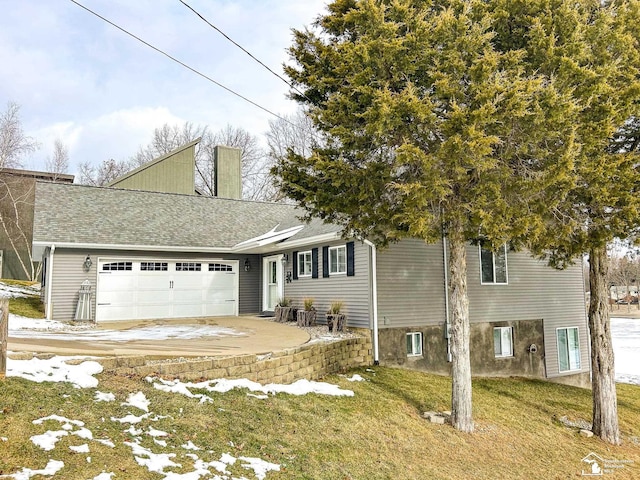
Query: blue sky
[80, 79]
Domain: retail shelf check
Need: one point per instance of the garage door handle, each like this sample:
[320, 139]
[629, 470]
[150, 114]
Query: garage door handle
[100, 304]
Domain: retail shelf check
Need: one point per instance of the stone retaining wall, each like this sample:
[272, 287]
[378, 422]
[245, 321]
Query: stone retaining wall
[311, 362]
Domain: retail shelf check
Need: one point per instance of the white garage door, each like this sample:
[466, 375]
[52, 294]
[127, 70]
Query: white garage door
[142, 289]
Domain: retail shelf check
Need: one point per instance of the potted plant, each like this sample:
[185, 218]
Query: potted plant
[335, 319]
[307, 317]
[283, 310]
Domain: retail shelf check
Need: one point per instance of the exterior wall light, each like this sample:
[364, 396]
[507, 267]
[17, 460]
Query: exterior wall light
[87, 263]
[247, 265]
[285, 259]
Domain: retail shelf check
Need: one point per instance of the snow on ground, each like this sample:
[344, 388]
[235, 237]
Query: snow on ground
[20, 327]
[222, 385]
[10, 291]
[56, 369]
[24, 326]
[205, 464]
[625, 333]
[53, 467]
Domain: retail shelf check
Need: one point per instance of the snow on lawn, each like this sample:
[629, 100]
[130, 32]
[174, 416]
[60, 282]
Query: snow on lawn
[625, 333]
[203, 464]
[53, 467]
[56, 369]
[11, 291]
[222, 385]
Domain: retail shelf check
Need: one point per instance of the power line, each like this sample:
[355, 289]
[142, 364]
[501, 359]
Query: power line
[241, 47]
[180, 62]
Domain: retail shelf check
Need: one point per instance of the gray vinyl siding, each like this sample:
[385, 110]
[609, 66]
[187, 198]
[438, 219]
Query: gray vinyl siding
[354, 291]
[411, 284]
[534, 291]
[411, 294]
[68, 275]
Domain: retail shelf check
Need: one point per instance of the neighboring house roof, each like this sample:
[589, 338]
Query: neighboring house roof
[47, 176]
[82, 215]
[173, 172]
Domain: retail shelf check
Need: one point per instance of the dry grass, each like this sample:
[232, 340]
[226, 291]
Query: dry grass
[377, 434]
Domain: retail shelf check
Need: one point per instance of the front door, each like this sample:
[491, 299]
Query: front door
[272, 280]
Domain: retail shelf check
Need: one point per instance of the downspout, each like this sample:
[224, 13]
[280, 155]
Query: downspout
[374, 295]
[50, 281]
[447, 323]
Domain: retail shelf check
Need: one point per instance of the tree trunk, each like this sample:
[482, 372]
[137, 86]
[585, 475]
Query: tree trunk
[4, 335]
[461, 417]
[605, 404]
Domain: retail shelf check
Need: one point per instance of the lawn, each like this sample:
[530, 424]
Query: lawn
[27, 303]
[377, 433]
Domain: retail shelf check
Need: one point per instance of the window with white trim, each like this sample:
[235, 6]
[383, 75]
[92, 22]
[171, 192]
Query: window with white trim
[493, 265]
[337, 260]
[568, 349]
[414, 344]
[188, 267]
[503, 341]
[305, 264]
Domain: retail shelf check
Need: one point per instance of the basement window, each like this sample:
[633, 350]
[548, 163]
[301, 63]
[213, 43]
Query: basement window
[568, 349]
[414, 344]
[503, 341]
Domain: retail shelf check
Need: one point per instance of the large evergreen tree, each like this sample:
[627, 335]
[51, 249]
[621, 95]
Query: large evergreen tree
[592, 49]
[428, 130]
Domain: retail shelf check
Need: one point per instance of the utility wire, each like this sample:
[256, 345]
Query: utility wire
[241, 48]
[180, 62]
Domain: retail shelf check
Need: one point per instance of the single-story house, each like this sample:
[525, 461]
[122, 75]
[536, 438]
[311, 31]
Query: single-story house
[151, 255]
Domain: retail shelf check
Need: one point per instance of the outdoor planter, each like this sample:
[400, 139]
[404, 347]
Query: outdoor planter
[282, 314]
[306, 318]
[335, 322]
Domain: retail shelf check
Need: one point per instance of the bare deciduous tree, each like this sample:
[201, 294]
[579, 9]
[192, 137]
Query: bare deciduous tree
[290, 133]
[14, 144]
[16, 220]
[58, 163]
[102, 174]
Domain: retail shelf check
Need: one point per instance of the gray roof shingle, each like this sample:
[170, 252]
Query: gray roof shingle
[96, 215]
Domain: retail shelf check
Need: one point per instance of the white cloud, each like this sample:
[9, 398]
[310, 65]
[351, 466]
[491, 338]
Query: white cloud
[102, 92]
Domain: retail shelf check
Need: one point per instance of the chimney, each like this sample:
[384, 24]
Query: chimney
[228, 178]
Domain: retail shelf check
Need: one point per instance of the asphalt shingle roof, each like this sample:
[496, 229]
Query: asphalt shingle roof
[95, 215]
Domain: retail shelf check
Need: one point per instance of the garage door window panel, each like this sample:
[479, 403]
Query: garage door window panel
[188, 267]
[220, 267]
[117, 266]
[153, 266]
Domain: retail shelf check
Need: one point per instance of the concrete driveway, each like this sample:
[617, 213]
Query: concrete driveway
[186, 337]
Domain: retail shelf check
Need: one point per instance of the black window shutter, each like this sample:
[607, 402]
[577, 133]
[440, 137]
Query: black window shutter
[351, 263]
[314, 263]
[295, 265]
[325, 262]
